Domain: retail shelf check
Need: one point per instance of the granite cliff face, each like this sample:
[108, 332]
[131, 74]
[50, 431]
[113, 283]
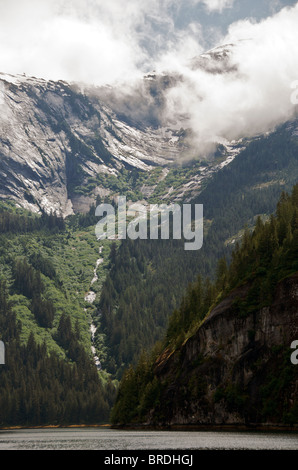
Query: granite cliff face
[54, 136]
[235, 370]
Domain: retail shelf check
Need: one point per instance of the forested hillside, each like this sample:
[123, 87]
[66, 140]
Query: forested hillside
[148, 278]
[226, 354]
[46, 269]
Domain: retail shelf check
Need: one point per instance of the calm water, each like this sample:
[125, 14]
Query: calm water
[109, 439]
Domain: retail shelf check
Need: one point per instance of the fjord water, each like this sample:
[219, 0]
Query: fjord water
[110, 439]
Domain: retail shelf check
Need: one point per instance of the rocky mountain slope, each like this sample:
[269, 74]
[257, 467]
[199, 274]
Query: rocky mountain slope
[56, 138]
[53, 138]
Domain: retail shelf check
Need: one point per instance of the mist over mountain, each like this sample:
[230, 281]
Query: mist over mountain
[244, 92]
[56, 136]
[239, 88]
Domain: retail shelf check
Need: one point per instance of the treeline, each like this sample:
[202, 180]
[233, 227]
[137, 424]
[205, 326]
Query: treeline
[38, 388]
[28, 282]
[12, 222]
[267, 254]
[251, 184]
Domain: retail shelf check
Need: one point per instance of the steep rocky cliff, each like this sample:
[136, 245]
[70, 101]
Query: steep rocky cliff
[235, 369]
[55, 136]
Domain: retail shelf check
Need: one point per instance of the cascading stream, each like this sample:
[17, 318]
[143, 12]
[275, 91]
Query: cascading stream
[90, 298]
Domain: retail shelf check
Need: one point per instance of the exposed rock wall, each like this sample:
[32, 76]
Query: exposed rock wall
[234, 370]
[53, 137]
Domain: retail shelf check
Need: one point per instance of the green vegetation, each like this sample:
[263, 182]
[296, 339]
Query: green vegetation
[148, 291]
[266, 255]
[134, 183]
[46, 267]
[56, 266]
[38, 388]
[148, 278]
[144, 283]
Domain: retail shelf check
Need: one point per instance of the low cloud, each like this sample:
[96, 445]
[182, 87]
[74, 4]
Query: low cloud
[91, 40]
[242, 89]
[238, 91]
[75, 41]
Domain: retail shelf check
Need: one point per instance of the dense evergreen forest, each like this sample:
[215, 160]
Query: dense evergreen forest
[49, 376]
[38, 388]
[146, 281]
[266, 254]
[148, 278]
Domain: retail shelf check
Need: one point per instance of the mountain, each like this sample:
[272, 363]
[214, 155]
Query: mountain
[216, 61]
[54, 138]
[235, 370]
[72, 302]
[62, 145]
[226, 357]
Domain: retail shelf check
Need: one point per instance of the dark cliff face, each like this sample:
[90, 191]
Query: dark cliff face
[235, 369]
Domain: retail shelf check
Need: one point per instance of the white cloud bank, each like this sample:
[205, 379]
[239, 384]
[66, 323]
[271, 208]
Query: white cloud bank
[255, 95]
[76, 40]
[90, 40]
